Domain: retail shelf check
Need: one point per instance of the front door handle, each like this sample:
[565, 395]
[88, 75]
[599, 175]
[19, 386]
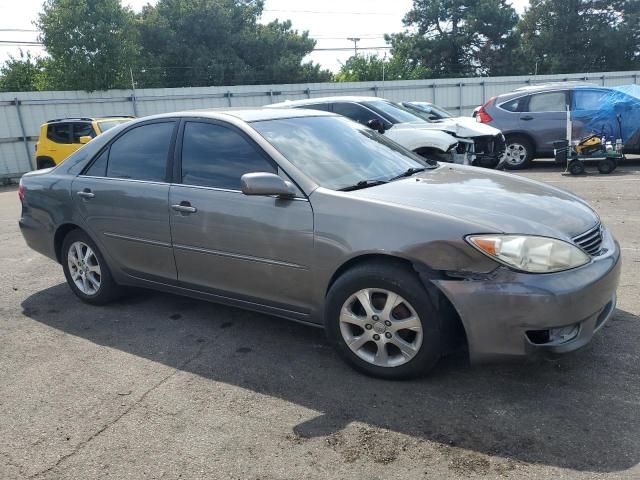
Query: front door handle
[86, 193]
[527, 118]
[184, 207]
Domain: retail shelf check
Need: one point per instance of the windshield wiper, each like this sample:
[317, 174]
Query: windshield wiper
[362, 184]
[408, 173]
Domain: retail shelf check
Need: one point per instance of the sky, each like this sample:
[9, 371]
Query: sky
[331, 22]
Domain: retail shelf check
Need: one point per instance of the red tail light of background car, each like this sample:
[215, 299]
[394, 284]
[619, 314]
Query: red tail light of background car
[482, 116]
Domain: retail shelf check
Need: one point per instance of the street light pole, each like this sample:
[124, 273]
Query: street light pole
[355, 41]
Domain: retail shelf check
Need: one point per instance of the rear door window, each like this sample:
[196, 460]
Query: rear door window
[548, 102]
[59, 132]
[141, 153]
[355, 112]
[82, 129]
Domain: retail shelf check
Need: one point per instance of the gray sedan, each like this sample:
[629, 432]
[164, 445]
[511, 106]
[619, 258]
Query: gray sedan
[314, 218]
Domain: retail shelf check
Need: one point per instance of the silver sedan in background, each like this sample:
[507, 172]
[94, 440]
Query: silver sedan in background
[309, 216]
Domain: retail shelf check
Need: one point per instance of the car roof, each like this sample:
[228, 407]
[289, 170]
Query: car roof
[555, 86]
[313, 101]
[90, 119]
[546, 87]
[246, 114]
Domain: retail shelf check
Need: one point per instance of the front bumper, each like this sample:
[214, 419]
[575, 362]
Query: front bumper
[490, 147]
[506, 313]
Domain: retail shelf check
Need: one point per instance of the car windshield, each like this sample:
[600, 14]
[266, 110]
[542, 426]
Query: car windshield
[108, 124]
[433, 111]
[394, 112]
[336, 152]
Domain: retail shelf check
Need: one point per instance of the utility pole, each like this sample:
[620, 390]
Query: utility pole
[384, 61]
[355, 41]
[133, 96]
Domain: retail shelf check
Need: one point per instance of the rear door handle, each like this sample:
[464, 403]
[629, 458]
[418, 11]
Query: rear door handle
[184, 207]
[86, 193]
[526, 119]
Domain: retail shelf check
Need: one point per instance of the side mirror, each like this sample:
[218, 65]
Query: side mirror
[266, 184]
[85, 139]
[376, 124]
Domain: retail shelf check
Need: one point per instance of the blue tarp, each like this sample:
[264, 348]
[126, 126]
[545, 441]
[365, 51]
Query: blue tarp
[610, 112]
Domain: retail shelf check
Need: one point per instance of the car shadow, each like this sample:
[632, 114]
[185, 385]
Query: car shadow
[579, 412]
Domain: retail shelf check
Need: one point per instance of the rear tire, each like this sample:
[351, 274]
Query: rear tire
[518, 153]
[576, 167]
[86, 270]
[607, 166]
[44, 162]
[372, 338]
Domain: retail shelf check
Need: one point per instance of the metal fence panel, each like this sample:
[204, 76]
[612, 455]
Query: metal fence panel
[460, 95]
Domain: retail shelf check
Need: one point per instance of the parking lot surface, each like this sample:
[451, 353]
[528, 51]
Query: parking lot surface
[158, 386]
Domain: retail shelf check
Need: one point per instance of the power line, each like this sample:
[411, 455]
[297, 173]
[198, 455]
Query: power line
[336, 49]
[17, 43]
[345, 49]
[332, 12]
[18, 30]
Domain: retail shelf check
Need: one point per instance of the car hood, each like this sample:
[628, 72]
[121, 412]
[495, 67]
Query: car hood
[491, 202]
[462, 127]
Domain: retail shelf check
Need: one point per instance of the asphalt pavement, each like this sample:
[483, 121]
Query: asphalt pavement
[158, 386]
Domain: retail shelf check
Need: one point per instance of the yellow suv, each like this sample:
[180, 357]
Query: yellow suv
[61, 137]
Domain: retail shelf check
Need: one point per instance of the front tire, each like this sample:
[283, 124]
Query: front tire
[518, 153]
[380, 319]
[86, 270]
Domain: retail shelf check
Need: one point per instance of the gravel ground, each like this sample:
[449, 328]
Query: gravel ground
[163, 387]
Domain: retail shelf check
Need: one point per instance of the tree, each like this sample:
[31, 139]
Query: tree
[92, 43]
[370, 68]
[457, 38]
[23, 74]
[565, 36]
[220, 42]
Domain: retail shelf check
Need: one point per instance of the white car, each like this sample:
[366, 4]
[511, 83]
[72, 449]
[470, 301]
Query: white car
[397, 123]
[489, 141]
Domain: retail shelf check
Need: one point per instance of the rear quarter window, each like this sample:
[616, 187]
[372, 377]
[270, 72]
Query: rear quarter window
[59, 132]
[515, 105]
[316, 106]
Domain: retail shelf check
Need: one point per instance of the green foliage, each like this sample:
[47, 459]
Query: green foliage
[581, 35]
[457, 38]
[370, 68]
[220, 42]
[24, 74]
[91, 43]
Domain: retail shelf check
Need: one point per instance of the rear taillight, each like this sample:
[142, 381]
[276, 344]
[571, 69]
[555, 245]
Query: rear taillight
[21, 191]
[482, 116]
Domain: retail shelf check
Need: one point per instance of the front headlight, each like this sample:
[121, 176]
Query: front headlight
[529, 253]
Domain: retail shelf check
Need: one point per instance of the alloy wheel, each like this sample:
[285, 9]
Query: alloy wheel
[381, 327]
[515, 154]
[84, 268]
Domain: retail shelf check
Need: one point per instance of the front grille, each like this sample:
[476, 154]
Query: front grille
[590, 241]
[489, 145]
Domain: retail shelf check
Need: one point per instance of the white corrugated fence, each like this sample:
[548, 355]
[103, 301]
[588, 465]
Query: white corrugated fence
[22, 113]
